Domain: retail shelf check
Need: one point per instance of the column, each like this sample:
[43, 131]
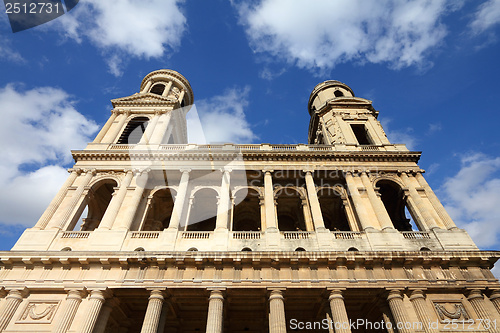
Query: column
[62, 217]
[145, 139]
[438, 206]
[147, 87]
[95, 303]
[262, 206]
[163, 318]
[102, 321]
[161, 129]
[135, 200]
[180, 198]
[363, 216]
[495, 299]
[153, 312]
[307, 215]
[476, 299]
[223, 206]
[10, 304]
[68, 312]
[105, 128]
[314, 202]
[112, 136]
[387, 317]
[396, 304]
[418, 300]
[116, 201]
[377, 204]
[49, 212]
[428, 219]
[269, 201]
[215, 307]
[277, 322]
[339, 313]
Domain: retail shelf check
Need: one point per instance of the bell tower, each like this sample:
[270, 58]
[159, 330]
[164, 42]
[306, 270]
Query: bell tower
[340, 118]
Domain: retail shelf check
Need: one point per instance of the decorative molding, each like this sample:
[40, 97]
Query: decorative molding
[38, 312]
[458, 312]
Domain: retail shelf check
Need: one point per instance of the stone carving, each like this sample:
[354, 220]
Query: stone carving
[39, 312]
[458, 312]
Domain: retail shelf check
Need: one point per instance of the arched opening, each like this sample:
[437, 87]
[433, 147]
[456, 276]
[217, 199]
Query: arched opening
[134, 130]
[289, 209]
[247, 249]
[158, 89]
[394, 201]
[97, 201]
[246, 214]
[338, 93]
[203, 213]
[299, 249]
[160, 210]
[139, 249]
[192, 249]
[353, 249]
[425, 249]
[332, 210]
[67, 248]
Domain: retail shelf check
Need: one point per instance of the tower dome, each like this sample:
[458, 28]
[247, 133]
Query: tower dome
[168, 83]
[326, 91]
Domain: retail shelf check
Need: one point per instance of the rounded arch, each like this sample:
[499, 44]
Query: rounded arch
[352, 249]
[393, 197]
[290, 209]
[199, 188]
[192, 249]
[160, 209]
[158, 88]
[139, 249]
[238, 189]
[299, 249]
[331, 201]
[246, 212]
[203, 209]
[246, 249]
[67, 248]
[105, 178]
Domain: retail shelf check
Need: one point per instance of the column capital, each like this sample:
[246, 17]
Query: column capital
[76, 293]
[475, 293]
[395, 293]
[216, 293]
[267, 171]
[336, 294]
[18, 293]
[155, 293]
[276, 293]
[495, 294]
[417, 293]
[308, 171]
[185, 170]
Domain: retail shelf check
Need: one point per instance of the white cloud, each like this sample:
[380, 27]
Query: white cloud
[143, 29]
[39, 128]
[221, 119]
[320, 34]
[472, 196]
[487, 15]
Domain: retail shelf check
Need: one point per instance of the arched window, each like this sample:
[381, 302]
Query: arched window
[134, 130]
[394, 201]
[338, 93]
[158, 89]
[332, 210]
[203, 212]
[160, 211]
[246, 213]
[290, 211]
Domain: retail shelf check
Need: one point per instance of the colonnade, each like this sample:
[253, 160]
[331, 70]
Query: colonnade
[100, 304]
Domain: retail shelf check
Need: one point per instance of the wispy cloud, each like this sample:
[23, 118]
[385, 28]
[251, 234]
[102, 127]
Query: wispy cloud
[404, 136]
[487, 16]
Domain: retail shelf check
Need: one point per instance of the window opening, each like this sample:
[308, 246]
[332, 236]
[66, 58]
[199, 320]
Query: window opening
[338, 93]
[158, 89]
[361, 134]
[134, 130]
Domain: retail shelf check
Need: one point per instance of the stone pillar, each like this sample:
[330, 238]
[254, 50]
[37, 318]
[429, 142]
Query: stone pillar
[49, 212]
[223, 206]
[476, 299]
[147, 87]
[339, 313]
[95, 303]
[364, 217]
[116, 202]
[146, 136]
[307, 215]
[314, 202]
[277, 322]
[180, 198]
[102, 321]
[377, 204]
[398, 310]
[10, 304]
[68, 312]
[215, 314]
[495, 299]
[153, 312]
[438, 206]
[59, 219]
[112, 136]
[132, 206]
[161, 129]
[105, 128]
[163, 318]
[262, 206]
[269, 201]
[419, 202]
[388, 320]
[418, 300]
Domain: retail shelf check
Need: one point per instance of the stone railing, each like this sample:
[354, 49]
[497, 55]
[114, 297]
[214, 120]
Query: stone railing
[196, 234]
[75, 234]
[247, 234]
[296, 234]
[347, 234]
[416, 235]
[145, 234]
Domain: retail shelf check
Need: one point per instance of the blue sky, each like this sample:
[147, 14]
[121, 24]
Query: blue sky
[430, 67]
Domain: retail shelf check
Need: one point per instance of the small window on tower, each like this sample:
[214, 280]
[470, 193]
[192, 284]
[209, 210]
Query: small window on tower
[338, 93]
[361, 134]
[134, 130]
[158, 89]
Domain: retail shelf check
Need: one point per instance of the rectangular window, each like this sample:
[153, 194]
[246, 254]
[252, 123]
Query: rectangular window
[361, 134]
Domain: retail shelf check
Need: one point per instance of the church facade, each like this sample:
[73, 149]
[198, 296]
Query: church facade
[151, 233]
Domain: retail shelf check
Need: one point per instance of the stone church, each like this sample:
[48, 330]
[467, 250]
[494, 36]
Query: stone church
[151, 233]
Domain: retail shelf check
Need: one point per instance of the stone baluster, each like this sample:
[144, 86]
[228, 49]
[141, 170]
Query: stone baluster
[215, 313]
[398, 310]
[314, 201]
[95, 302]
[180, 198]
[419, 202]
[377, 204]
[106, 127]
[153, 312]
[363, 215]
[339, 313]
[223, 206]
[277, 322]
[10, 305]
[418, 300]
[476, 299]
[271, 222]
[116, 202]
[68, 311]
